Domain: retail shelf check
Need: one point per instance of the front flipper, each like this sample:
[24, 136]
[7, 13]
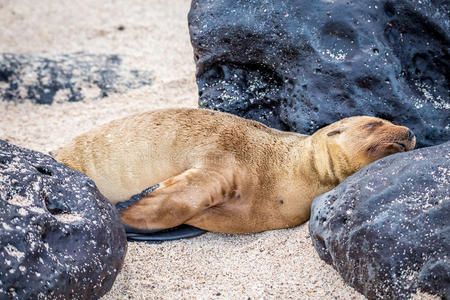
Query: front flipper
[176, 200]
[156, 235]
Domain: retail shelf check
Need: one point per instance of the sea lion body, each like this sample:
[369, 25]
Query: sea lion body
[223, 173]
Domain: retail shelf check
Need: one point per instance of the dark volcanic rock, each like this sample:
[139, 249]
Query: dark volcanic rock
[68, 77]
[59, 237]
[299, 65]
[386, 229]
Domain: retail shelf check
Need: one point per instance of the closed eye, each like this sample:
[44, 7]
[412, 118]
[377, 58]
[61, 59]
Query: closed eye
[372, 125]
[333, 132]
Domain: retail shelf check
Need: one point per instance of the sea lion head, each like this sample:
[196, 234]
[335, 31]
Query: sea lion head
[358, 141]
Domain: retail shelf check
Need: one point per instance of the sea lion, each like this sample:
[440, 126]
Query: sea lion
[223, 173]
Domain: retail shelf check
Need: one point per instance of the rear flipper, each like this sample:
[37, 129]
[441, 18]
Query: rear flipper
[156, 213]
[180, 232]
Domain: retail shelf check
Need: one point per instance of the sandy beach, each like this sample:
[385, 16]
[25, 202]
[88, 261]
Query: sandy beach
[278, 264]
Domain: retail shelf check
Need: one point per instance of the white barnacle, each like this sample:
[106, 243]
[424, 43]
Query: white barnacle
[6, 226]
[14, 252]
[22, 211]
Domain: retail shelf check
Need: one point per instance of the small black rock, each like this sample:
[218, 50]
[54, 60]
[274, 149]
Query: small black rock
[59, 237]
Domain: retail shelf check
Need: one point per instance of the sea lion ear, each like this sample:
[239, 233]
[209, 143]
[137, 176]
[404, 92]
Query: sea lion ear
[334, 132]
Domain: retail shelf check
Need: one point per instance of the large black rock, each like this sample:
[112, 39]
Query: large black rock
[66, 77]
[298, 65]
[59, 237]
[386, 229]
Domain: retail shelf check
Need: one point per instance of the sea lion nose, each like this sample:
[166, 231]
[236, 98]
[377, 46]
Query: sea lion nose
[411, 135]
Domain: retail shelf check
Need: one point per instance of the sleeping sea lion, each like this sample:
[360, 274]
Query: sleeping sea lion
[223, 173]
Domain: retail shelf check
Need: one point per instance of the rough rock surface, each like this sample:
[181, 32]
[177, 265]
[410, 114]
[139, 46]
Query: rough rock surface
[67, 77]
[298, 65]
[386, 229]
[59, 237]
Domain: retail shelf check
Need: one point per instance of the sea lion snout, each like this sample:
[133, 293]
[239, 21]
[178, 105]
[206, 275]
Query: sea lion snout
[407, 139]
[389, 139]
[384, 132]
[411, 135]
[364, 139]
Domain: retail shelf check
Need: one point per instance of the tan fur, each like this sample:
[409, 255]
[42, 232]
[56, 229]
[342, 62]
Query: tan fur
[223, 173]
